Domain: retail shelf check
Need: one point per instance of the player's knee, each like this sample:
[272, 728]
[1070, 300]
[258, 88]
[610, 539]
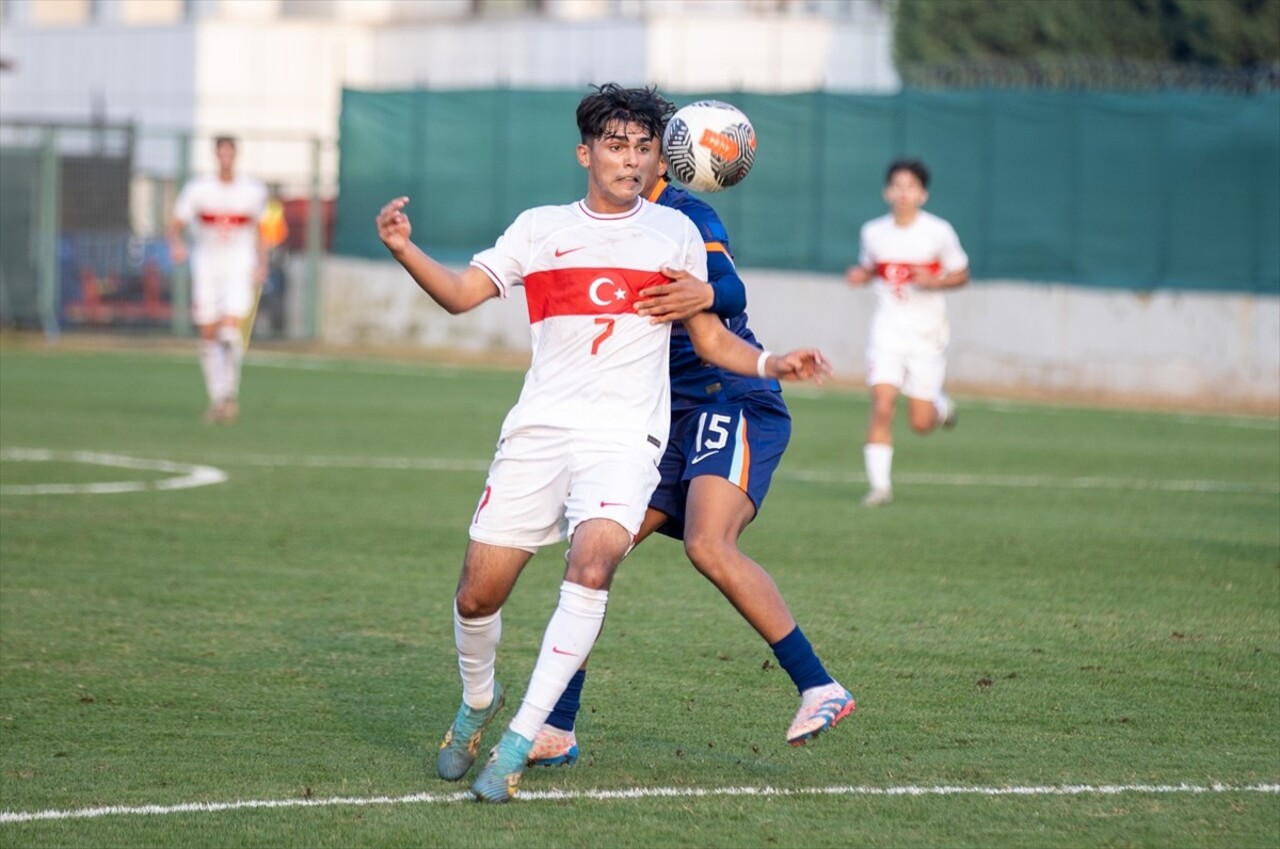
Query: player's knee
[922, 425]
[709, 553]
[594, 574]
[472, 605]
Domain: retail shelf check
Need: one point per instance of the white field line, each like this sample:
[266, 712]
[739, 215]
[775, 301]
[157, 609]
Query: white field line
[198, 475]
[639, 793]
[185, 476]
[806, 475]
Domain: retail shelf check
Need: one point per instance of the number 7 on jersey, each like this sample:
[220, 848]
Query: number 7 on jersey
[605, 334]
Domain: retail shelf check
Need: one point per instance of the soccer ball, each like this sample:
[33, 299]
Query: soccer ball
[709, 146]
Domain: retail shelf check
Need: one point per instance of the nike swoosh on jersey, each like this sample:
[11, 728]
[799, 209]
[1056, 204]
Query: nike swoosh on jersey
[612, 504]
[569, 251]
[702, 457]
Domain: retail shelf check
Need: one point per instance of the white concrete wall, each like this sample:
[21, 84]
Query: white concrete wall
[1171, 347]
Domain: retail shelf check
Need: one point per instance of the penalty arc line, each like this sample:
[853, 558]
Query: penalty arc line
[639, 793]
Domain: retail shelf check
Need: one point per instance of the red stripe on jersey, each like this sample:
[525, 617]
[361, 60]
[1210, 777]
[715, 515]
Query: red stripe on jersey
[224, 219]
[902, 272]
[586, 291]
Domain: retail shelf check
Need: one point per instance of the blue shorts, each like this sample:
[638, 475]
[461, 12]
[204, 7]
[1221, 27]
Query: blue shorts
[741, 441]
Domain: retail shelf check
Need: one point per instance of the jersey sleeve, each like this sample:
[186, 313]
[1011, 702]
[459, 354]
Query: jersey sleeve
[950, 254]
[866, 258]
[730, 292]
[507, 260]
[695, 252]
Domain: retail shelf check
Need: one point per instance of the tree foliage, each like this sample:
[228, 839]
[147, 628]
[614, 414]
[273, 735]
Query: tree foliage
[1214, 34]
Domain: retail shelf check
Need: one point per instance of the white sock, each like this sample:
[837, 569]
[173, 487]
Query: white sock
[943, 405]
[569, 637]
[879, 461]
[212, 367]
[477, 643]
[233, 347]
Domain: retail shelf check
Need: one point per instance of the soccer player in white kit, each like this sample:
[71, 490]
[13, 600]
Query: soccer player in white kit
[228, 266]
[913, 257]
[577, 455]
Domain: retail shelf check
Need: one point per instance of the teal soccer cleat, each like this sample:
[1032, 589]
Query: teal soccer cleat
[462, 740]
[501, 776]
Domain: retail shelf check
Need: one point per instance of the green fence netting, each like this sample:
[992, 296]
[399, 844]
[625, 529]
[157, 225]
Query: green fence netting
[1139, 191]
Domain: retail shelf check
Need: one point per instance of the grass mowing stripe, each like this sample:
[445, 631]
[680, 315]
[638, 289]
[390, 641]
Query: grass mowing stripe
[641, 793]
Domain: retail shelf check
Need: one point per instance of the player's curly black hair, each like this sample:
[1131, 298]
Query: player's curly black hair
[914, 166]
[611, 103]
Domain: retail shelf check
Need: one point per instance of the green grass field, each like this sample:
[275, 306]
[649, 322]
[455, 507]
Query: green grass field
[1064, 633]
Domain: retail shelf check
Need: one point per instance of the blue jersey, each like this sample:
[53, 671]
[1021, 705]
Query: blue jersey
[694, 382]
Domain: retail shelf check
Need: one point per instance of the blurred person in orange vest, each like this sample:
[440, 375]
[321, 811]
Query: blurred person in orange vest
[273, 229]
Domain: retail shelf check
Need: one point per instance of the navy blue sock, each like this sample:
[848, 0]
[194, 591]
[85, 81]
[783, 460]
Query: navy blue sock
[796, 656]
[566, 710]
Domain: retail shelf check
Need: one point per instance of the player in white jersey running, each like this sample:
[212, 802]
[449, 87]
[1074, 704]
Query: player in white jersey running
[577, 455]
[913, 257]
[228, 265]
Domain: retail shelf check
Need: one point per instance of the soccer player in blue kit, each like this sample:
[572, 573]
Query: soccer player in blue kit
[728, 434]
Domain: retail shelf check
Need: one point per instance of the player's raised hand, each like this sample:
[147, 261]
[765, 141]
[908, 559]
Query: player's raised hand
[800, 364]
[393, 225]
[684, 297]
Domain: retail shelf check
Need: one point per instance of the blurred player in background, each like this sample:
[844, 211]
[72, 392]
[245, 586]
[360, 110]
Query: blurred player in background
[228, 268]
[913, 257]
[728, 434]
[578, 454]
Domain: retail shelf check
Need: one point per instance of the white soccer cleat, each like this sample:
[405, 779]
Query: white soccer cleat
[820, 708]
[877, 498]
[947, 413]
[554, 747]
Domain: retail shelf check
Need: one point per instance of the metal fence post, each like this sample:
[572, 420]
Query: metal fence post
[181, 294]
[47, 236]
[311, 278]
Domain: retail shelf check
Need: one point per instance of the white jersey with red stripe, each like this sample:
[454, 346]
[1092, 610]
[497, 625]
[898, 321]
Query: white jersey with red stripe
[223, 216]
[908, 315]
[597, 365]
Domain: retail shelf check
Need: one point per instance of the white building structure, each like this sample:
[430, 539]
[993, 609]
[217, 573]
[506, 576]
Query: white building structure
[275, 69]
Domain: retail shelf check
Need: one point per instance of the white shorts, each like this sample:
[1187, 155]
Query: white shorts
[916, 375]
[221, 286]
[544, 482]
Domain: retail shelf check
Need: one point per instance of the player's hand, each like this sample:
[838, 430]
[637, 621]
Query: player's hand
[800, 364]
[684, 297]
[260, 274]
[924, 278]
[858, 275]
[178, 252]
[393, 225]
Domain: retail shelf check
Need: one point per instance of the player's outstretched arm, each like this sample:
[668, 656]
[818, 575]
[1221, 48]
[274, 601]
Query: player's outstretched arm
[719, 347]
[456, 292]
